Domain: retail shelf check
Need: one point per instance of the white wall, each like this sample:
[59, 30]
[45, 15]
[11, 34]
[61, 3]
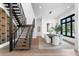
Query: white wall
[44, 24]
[28, 11]
[2, 6]
[67, 13]
[77, 27]
[76, 11]
[63, 15]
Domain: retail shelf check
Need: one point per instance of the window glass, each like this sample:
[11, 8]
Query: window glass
[69, 29]
[68, 19]
[63, 21]
[63, 29]
[73, 29]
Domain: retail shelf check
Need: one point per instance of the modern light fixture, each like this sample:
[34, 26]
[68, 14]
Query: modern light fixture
[50, 12]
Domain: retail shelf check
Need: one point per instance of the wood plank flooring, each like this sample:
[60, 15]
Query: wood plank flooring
[35, 51]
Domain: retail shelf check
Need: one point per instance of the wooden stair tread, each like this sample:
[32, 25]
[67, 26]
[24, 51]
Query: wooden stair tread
[21, 48]
[22, 44]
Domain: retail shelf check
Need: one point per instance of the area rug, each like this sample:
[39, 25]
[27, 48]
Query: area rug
[63, 45]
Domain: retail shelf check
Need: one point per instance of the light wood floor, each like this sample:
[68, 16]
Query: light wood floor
[35, 51]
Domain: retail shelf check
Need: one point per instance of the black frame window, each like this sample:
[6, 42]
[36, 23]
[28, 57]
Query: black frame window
[67, 26]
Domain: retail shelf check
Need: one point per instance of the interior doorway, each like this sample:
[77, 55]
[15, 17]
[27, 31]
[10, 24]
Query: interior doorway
[39, 27]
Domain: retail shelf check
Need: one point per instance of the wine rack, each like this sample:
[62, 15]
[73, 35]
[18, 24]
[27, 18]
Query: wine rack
[8, 28]
[3, 26]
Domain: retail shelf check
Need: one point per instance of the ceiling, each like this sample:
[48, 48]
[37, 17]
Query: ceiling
[51, 10]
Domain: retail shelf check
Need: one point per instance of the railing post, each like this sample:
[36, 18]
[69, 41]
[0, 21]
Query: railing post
[10, 31]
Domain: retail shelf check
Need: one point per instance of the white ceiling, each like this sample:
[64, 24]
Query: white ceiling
[43, 9]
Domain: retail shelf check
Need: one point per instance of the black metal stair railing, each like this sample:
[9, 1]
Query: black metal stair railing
[11, 8]
[27, 38]
[15, 36]
[22, 12]
[31, 33]
[21, 25]
[17, 12]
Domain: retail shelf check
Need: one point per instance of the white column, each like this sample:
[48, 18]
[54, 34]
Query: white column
[76, 27]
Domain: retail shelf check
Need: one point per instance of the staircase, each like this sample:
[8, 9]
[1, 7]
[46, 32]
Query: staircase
[18, 14]
[25, 37]
[22, 42]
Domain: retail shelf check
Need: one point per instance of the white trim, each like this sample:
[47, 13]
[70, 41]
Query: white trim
[2, 6]
[14, 23]
[4, 44]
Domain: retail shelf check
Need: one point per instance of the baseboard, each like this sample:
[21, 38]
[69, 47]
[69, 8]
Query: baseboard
[34, 38]
[69, 42]
[76, 50]
[4, 44]
[38, 37]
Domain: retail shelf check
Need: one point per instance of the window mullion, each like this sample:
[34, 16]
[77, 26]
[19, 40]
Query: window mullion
[71, 27]
[66, 26]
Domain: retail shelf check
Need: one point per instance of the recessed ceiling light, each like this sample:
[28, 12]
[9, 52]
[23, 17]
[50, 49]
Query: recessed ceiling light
[54, 11]
[68, 6]
[40, 7]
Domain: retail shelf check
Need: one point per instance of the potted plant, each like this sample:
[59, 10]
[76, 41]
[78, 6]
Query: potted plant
[58, 29]
[50, 30]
